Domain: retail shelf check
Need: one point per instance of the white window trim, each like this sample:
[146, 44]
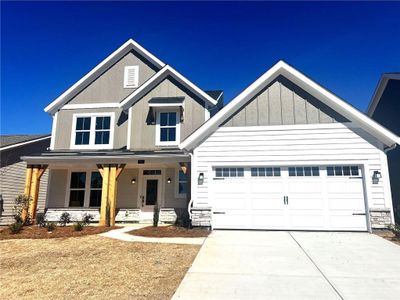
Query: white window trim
[92, 144]
[177, 194]
[136, 83]
[86, 201]
[178, 128]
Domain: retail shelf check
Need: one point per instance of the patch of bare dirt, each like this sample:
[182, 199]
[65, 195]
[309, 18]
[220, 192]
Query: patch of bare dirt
[388, 235]
[36, 232]
[91, 267]
[170, 231]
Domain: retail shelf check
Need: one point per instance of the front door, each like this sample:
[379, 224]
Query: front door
[150, 195]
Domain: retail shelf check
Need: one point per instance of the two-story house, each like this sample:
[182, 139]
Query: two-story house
[284, 154]
[123, 122]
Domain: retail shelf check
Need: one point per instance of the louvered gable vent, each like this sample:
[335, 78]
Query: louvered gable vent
[131, 77]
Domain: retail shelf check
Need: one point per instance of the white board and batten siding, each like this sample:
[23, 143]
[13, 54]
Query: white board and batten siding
[292, 145]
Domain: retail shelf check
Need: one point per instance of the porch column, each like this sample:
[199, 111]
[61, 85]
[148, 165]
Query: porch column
[110, 175]
[32, 184]
[27, 189]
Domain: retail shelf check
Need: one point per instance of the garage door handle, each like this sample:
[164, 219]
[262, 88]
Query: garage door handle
[218, 178]
[355, 177]
[285, 200]
[218, 212]
[359, 214]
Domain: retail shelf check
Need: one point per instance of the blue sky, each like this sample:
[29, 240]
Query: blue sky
[48, 46]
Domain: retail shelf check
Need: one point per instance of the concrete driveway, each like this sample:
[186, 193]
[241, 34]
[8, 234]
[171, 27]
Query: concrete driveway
[293, 265]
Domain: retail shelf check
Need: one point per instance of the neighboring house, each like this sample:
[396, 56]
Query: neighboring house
[12, 171]
[284, 154]
[124, 121]
[384, 108]
[288, 154]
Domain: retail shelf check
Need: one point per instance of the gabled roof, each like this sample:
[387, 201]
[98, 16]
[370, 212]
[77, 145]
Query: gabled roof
[13, 141]
[99, 69]
[282, 68]
[380, 89]
[156, 79]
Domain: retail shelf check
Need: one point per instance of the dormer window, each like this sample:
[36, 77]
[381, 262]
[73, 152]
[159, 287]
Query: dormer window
[131, 77]
[92, 131]
[167, 126]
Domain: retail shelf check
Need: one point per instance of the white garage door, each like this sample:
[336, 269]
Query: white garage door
[289, 198]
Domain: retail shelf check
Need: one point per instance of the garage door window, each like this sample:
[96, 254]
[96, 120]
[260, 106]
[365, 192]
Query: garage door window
[229, 172]
[303, 171]
[342, 171]
[265, 172]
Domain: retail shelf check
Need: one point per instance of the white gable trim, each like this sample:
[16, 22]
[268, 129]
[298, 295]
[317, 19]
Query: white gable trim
[94, 73]
[282, 68]
[379, 91]
[156, 79]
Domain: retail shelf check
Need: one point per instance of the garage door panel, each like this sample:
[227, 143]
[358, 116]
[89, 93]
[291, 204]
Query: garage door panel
[307, 221]
[271, 220]
[289, 201]
[348, 222]
[230, 203]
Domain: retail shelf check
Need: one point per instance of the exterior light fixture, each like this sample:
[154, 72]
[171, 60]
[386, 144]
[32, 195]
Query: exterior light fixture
[133, 181]
[376, 176]
[169, 180]
[200, 180]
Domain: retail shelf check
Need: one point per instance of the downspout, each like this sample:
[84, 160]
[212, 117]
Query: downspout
[386, 150]
[191, 175]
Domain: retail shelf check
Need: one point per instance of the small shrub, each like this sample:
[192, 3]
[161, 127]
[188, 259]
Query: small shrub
[65, 218]
[50, 226]
[182, 218]
[21, 205]
[86, 219]
[16, 227]
[41, 220]
[156, 215]
[396, 230]
[78, 226]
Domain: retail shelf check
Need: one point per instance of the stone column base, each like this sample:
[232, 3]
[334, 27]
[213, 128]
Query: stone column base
[380, 218]
[201, 216]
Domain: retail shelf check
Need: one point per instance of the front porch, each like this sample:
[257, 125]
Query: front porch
[114, 187]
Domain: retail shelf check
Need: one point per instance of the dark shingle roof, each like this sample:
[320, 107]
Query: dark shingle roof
[8, 140]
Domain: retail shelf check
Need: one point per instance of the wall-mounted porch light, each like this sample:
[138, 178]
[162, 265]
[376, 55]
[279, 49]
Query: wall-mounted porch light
[376, 176]
[133, 181]
[169, 180]
[200, 179]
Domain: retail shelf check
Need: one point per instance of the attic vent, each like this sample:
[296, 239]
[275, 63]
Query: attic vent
[131, 76]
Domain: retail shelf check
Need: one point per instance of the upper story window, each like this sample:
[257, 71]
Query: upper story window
[167, 128]
[131, 77]
[92, 131]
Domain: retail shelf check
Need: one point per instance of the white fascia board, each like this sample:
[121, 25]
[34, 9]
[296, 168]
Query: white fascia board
[156, 79]
[282, 68]
[379, 91]
[25, 143]
[96, 71]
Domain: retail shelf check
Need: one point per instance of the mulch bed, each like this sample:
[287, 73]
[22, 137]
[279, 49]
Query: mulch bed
[388, 235]
[169, 231]
[35, 232]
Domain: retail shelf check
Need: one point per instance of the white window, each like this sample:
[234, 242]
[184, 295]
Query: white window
[92, 131]
[131, 77]
[265, 172]
[342, 171]
[182, 183]
[167, 128]
[85, 189]
[229, 172]
[303, 171]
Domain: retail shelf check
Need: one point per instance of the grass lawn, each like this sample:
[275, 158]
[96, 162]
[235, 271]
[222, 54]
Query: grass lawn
[91, 267]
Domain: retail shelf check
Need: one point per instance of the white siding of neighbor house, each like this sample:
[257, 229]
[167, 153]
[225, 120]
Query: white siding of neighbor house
[12, 182]
[285, 145]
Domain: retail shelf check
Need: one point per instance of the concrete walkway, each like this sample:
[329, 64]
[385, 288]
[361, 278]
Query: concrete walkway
[293, 265]
[121, 234]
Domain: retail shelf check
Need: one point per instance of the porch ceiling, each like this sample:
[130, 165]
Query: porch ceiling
[104, 157]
